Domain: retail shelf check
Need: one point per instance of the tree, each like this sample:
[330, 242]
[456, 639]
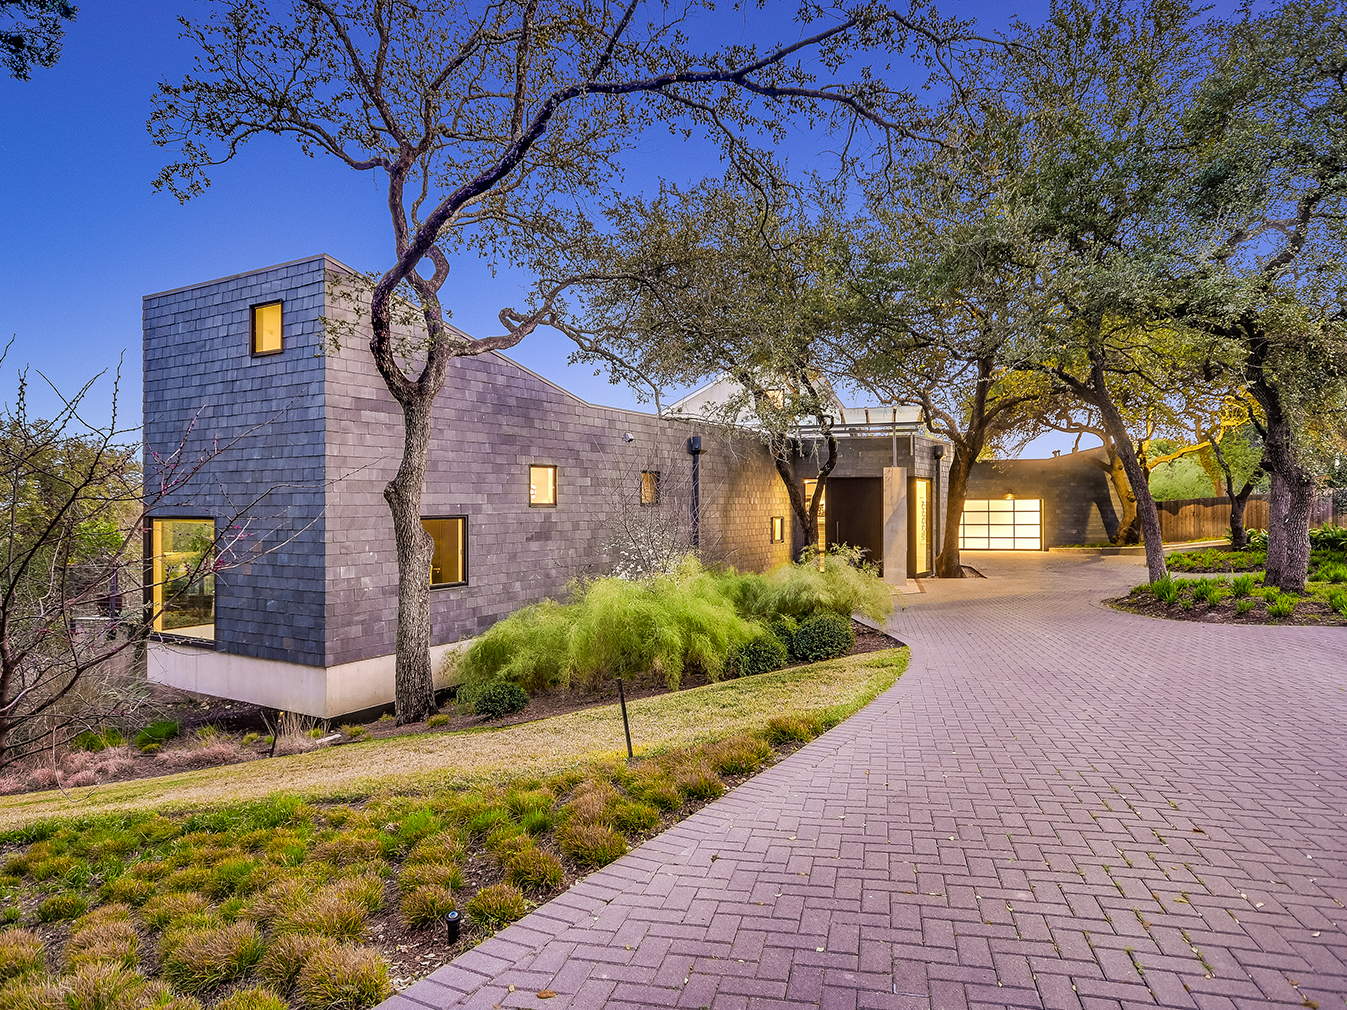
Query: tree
[31, 33]
[721, 280]
[1266, 136]
[941, 299]
[491, 124]
[1099, 86]
[76, 509]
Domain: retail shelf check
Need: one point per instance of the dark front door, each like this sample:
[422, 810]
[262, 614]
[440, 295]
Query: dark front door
[856, 515]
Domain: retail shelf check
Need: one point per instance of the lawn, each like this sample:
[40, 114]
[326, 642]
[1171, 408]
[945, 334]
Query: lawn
[320, 881]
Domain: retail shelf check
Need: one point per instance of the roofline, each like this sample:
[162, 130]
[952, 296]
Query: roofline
[245, 273]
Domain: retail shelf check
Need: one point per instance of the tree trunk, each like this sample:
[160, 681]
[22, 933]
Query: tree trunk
[1300, 509]
[415, 688]
[947, 562]
[1239, 536]
[1122, 443]
[1278, 506]
[1129, 524]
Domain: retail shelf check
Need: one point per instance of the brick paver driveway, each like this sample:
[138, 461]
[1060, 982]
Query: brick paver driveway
[1058, 805]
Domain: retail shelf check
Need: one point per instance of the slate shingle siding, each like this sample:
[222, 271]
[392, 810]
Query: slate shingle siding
[262, 419]
[329, 437]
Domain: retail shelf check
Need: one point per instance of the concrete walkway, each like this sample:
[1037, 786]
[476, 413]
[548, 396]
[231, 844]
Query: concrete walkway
[1058, 805]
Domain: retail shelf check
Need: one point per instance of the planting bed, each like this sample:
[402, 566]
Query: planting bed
[322, 905]
[1227, 601]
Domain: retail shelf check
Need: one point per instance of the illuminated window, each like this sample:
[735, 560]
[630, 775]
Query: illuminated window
[182, 577]
[266, 328]
[542, 485]
[649, 487]
[778, 529]
[449, 563]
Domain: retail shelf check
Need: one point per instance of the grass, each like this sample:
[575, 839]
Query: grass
[529, 749]
[267, 902]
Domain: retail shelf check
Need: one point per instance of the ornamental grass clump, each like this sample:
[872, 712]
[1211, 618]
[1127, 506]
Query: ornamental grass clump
[592, 844]
[286, 957]
[21, 953]
[533, 870]
[497, 905]
[195, 960]
[843, 586]
[253, 998]
[343, 978]
[426, 905]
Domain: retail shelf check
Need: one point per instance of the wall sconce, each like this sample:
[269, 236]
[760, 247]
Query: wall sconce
[629, 437]
[938, 452]
[1010, 496]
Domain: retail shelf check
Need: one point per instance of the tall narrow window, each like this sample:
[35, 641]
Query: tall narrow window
[778, 529]
[649, 487]
[182, 577]
[542, 485]
[266, 327]
[449, 563]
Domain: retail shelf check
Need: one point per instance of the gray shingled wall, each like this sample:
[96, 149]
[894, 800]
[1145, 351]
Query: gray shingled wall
[205, 391]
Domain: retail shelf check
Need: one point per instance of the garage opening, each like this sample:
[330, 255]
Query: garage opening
[1001, 524]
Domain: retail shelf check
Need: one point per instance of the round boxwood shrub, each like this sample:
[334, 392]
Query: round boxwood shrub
[762, 653]
[784, 626]
[500, 699]
[826, 635]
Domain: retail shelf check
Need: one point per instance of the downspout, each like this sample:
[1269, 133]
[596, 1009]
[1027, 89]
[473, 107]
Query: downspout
[695, 450]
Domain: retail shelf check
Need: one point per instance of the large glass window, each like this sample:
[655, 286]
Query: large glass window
[266, 328]
[449, 563]
[542, 485]
[778, 529]
[182, 576]
[1001, 524]
[649, 487]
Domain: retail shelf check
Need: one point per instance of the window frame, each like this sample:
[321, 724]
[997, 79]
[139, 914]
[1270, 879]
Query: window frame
[556, 485]
[252, 328]
[435, 586]
[778, 530]
[147, 585]
[653, 501]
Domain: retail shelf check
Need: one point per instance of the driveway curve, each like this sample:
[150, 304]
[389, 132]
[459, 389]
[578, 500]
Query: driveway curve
[1058, 805]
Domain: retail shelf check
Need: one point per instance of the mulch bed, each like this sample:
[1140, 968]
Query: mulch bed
[1308, 613]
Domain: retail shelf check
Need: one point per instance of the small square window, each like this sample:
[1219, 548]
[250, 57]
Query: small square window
[542, 485]
[778, 529]
[449, 563]
[649, 487]
[266, 329]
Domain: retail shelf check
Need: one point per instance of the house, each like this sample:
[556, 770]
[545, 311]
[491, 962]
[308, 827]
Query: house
[528, 488]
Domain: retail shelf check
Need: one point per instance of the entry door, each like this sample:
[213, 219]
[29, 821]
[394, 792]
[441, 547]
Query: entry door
[856, 515]
[920, 556]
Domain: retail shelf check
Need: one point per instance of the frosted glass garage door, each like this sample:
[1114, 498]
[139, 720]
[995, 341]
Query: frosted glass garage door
[1000, 524]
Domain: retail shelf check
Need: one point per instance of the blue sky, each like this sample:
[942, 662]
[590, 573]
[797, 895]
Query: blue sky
[83, 236]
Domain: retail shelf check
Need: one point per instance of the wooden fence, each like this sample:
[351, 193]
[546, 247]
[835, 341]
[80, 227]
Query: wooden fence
[1209, 518]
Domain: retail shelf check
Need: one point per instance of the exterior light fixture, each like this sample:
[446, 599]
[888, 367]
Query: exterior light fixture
[938, 452]
[629, 437]
[1010, 496]
[453, 923]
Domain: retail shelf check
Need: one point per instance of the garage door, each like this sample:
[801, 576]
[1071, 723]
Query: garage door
[1001, 524]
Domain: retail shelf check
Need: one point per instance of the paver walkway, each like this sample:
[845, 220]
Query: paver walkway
[1058, 805]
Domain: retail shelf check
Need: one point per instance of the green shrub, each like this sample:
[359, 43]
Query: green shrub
[1166, 590]
[343, 978]
[844, 586]
[255, 998]
[95, 741]
[1208, 591]
[1329, 537]
[783, 626]
[762, 653]
[1332, 571]
[1243, 585]
[497, 905]
[592, 844]
[195, 960]
[157, 733]
[437, 720]
[532, 869]
[426, 905]
[826, 635]
[62, 906]
[1282, 606]
[499, 699]
[1337, 600]
[1243, 607]
[21, 952]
